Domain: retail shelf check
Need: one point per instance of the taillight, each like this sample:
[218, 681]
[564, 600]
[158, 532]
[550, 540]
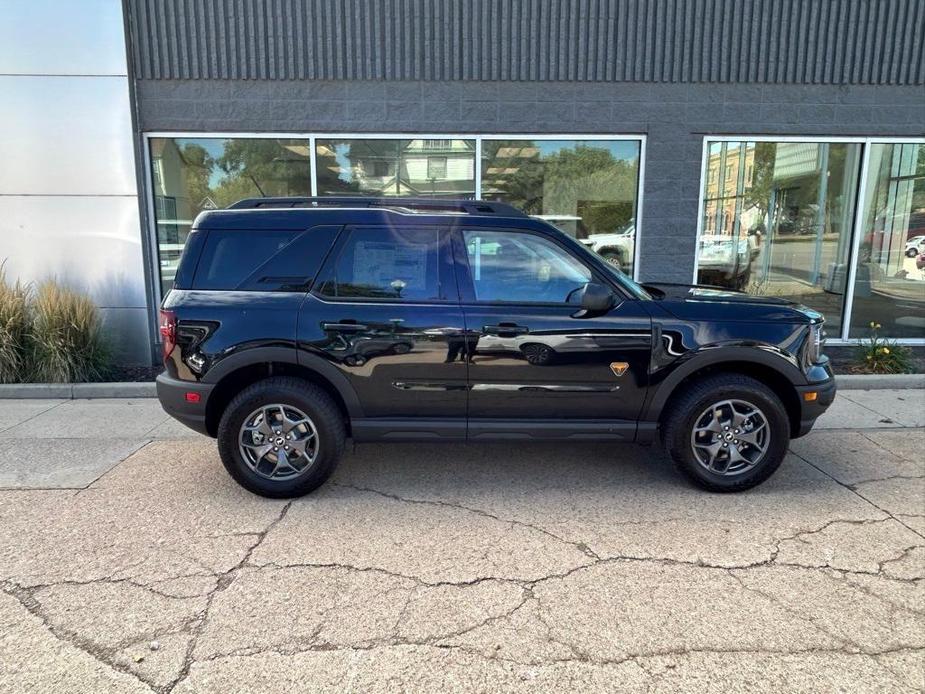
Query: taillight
[168, 330]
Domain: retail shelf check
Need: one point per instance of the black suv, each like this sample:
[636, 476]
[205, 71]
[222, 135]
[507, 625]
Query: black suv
[297, 322]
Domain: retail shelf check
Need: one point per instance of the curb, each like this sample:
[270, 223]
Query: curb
[147, 389]
[77, 391]
[880, 381]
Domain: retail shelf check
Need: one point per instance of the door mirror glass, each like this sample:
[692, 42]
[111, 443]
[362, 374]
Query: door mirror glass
[596, 298]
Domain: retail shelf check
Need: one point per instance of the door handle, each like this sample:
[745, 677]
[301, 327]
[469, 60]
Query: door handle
[505, 329]
[345, 327]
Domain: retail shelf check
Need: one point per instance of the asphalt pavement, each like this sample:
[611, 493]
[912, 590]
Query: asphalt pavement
[129, 561]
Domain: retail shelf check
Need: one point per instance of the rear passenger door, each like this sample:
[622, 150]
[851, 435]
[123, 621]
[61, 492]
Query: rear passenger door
[385, 311]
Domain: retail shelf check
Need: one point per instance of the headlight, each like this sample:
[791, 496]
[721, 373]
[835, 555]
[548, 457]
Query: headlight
[816, 342]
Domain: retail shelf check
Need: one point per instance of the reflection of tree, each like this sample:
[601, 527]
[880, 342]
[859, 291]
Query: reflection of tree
[758, 191]
[260, 167]
[198, 166]
[584, 181]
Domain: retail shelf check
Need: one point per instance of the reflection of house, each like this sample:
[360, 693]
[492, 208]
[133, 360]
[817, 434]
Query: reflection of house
[174, 211]
[423, 167]
[730, 172]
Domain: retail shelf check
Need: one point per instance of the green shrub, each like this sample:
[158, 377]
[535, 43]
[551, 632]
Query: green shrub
[881, 356]
[66, 342]
[14, 329]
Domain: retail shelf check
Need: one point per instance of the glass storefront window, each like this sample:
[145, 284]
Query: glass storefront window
[587, 188]
[190, 175]
[889, 285]
[422, 168]
[777, 220]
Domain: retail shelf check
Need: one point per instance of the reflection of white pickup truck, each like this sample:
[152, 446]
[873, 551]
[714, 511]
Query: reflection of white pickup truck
[616, 248]
[914, 246]
[725, 261]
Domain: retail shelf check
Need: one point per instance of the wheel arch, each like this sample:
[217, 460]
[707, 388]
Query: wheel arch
[239, 371]
[775, 372]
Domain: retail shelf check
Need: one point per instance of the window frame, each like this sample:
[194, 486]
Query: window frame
[857, 217]
[446, 274]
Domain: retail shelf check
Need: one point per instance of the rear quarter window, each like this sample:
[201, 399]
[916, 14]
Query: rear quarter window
[263, 260]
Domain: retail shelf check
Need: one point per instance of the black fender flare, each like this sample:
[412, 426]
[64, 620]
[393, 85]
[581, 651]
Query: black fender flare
[711, 356]
[288, 355]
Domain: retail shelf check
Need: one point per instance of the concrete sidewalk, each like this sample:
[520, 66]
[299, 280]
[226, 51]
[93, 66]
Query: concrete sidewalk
[129, 561]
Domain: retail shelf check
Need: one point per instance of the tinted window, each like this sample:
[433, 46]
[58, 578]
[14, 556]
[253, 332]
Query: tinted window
[388, 263]
[263, 260]
[510, 266]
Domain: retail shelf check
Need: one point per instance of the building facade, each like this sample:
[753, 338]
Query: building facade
[774, 146]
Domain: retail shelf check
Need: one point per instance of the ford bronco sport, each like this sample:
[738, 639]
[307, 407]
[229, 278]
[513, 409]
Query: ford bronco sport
[295, 323]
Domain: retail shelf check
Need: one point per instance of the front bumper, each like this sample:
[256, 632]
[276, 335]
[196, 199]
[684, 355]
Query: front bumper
[811, 410]
[172, 394]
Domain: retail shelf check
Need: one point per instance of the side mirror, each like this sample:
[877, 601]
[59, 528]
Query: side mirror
[596, 298]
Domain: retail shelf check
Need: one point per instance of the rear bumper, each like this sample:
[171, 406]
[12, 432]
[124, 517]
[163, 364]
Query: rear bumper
[811, 410]
[172, 394]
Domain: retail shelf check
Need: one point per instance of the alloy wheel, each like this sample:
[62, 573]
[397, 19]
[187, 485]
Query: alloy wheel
[730, 437]
[278, 442]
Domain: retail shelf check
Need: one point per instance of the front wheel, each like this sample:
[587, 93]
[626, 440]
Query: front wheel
[727, 433]
[281, 437]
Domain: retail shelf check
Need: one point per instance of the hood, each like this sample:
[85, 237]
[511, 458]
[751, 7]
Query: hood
[703, 302]
[705, 292]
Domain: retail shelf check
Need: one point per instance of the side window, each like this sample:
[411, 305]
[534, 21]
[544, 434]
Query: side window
[263, 260]
[523, 268]
[395, 263]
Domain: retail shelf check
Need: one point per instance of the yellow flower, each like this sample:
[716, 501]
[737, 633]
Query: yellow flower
[885, 350]
[877, 326]
[869, 357]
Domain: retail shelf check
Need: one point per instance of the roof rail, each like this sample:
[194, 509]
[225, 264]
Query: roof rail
[473, 207]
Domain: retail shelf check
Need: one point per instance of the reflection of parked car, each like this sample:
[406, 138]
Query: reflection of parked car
[914, 246]
[542, 348]
[726, 378]
[359, 350]
[169, 259]
[725, 261]
[617, 248]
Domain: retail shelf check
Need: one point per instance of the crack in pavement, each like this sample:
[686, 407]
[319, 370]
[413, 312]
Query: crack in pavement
[99, 654]
[225, 579]
[580, 546]
[582, 659]
[192, 626]
[854, 491]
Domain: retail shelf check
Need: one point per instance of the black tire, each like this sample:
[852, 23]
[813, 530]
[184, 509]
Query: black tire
[911, 253]
[295, 392]
[614, 258]
[686, 409]
[538, 354]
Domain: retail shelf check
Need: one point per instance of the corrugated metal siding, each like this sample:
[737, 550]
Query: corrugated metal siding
[768, 41]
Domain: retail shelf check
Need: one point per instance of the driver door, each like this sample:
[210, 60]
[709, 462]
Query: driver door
[531, 355]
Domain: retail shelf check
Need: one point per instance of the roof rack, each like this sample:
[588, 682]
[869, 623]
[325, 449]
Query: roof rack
[473, 207]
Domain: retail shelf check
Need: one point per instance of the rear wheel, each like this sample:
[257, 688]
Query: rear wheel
[281, 437]
[727, 433]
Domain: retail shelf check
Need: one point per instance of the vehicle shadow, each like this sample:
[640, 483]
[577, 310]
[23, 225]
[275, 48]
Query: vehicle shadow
[536, 469]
